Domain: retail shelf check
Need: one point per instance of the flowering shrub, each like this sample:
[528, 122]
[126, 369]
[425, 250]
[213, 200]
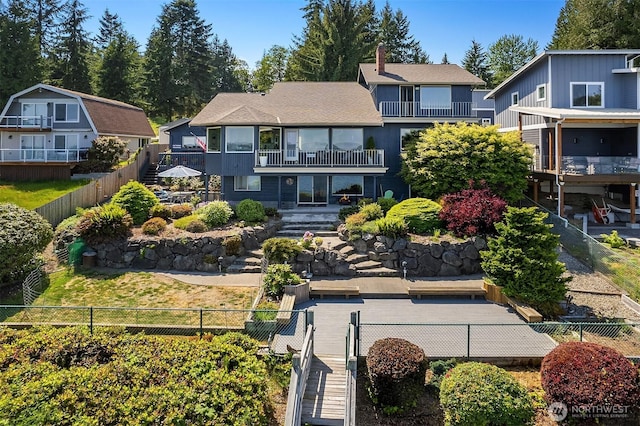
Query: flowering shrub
[306, 240]
[277, 277]
[472, 211]
[589, 375]
[475, 393]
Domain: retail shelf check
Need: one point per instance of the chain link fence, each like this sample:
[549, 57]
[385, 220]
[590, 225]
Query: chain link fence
[32, 286]
[501, 340]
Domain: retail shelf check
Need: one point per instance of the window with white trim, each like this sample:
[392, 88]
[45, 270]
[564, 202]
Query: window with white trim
[405, 137]
[66, 113]
[313, 139]
[541, 92]
[247, 183]
[62, 142]
[438, 97]
[34, 114]
[347, 139]
[239, 139]
[587, 95]
[189, 142]
[515, 98]
[350, 185]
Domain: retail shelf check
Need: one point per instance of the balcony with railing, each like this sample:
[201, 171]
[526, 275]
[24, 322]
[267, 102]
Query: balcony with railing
[26, 122]
[41, 155]
[425, 110]
[193, 160]
[590, 165]
[368, 158]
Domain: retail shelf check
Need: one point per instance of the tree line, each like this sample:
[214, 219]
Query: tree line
[184, 63]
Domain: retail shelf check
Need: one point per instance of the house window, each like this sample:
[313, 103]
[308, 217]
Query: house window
[66, 113]
[351, 185]
[408, 136]
[515, 97]
[247, 183]
[346, 139]
[541, 92]
[270, 137]
[62, 142]
[32, 147]
[313, 139]
[34, 114]
[587, 95]
[213, 139]
[239, 139]
[189, 142]
[435, 97]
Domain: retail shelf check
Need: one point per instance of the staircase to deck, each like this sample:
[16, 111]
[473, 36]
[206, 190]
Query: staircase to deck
[324, 397]
[151, 176]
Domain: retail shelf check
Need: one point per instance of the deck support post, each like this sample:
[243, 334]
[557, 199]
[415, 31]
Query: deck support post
[536, 189]
[632, 202]
[561, 199]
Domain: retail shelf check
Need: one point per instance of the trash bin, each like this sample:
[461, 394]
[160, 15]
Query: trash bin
[89, 258]
[76, 249]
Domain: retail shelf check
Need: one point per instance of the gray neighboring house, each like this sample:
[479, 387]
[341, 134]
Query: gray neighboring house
[45, 130]
[580, 110]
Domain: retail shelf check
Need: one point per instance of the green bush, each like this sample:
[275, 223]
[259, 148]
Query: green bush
[280, 250]
[216, 213]
[154, 226]
[160, 210]
[136, 199]
[420, 214]
[372, 211]
[104, 223]
[271, 211]
[439, 369]
[475, 393]
[396, 373]
[181, 210]
[250, 211]
[232, 245]
[347, 211]
[392, 227]
[614, 240]
[23, 235]
[364, 202]
[386, 204]
[196, 226]
[277, 276]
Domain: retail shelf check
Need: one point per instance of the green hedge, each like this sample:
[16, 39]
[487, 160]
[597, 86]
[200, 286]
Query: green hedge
[420, 214]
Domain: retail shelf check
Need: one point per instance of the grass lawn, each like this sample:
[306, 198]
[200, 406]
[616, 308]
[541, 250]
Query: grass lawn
[30, 195]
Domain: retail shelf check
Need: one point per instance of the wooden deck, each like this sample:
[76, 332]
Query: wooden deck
[323, 402]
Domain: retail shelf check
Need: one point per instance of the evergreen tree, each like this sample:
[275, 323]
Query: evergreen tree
[225, 68]
[475, 61]
[445, 59]
[401, 47]
[110, 28]
[46, 16]
[508, 54]
[158, 84]
[270, 69]
[305, 62]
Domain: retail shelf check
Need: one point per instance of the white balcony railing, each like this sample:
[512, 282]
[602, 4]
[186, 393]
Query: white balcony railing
[38, 155]
[296, 158]
[426, 110]
[26, 122]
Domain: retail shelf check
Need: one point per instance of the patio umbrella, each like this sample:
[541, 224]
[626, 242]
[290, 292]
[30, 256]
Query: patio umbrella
[178, 172]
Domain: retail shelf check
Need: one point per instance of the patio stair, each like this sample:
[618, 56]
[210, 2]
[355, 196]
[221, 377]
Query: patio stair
[296, 223]
[151, 176]
[364, 266]
[251, 262]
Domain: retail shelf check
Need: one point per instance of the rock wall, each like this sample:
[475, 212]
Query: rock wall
[323, 262]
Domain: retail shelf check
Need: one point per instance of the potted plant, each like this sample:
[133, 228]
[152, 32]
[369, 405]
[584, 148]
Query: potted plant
[370, 147]
[345, 200]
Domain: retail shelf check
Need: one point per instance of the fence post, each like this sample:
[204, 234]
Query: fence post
[468, 341]
[91, 320]
[201, 323]
[581, 332]
[356, 331]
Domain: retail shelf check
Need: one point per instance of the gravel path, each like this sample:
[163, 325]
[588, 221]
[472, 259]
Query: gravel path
[584, 278]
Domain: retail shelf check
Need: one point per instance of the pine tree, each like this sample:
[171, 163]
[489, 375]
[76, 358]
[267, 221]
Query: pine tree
[46, 16]
[401, 47]
[475, 61]
[445, 59]
[508, 54]
[270, 69]
[110, 28]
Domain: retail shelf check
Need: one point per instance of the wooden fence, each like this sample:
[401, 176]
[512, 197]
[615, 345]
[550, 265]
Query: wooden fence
[101, 189]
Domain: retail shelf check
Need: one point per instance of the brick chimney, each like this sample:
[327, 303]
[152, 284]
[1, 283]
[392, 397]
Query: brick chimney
[380, 51]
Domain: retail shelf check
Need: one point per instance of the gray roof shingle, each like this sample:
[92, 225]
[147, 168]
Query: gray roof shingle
[419, 74]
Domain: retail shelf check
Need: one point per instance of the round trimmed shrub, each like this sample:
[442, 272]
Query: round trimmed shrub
[475, 393]
[104, 223]
[280, 250]
[587, 374]
[154, 226]
[420, 214]
[397, 371]
[136, 199]
[184, 222]
[216, 213]
[23, 235]
[181, 210]
[250, 211]
[160, 210]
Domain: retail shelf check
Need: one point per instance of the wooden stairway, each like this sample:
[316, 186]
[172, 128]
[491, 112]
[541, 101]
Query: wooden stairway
[323, 402]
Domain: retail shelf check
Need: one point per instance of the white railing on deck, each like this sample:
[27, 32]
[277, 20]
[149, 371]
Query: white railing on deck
[299, 375]
[26, 121]
[329, 158]
[35, 155]
[423, 109]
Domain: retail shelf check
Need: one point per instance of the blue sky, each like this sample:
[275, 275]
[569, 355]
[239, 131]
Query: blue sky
[252, 26]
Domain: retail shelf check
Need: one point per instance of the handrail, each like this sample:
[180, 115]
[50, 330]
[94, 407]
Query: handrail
[351, 365]
[298, 383]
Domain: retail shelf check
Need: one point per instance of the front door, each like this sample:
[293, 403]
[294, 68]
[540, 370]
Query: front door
[406, 101]
[313, 189]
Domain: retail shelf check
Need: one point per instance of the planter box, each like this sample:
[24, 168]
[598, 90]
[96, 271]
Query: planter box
[494, 293]
[301, 291]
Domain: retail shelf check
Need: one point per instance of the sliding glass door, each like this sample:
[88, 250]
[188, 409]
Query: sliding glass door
[312, 189]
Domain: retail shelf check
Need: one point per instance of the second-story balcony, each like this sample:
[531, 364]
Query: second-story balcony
[357, 159]
[26, 122]
[426, 110]
[590, 165]
[41, 155]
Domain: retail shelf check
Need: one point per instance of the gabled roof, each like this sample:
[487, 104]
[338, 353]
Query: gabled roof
[548, 53]
[107, 116]
[294, 104]
[173, 124]
[419, 74]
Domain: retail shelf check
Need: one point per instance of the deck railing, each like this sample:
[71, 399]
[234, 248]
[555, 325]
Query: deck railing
[427, 110]
[325, 158]
[299, 375]
[591, 165]
[193, 160]
[34, 155]
[26, 122]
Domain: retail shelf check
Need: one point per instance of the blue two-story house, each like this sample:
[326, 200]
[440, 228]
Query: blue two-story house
[313, 143]
[581, 112]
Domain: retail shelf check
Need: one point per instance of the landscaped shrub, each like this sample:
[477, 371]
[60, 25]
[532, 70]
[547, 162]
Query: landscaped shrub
[392, 227]
[523, 259]
[104, 153]
[196, 226]
[420, 214]
[614, 240]
[280, 250]
[181, 210]
[216, 213]
[185, 222]
[372, 211]
[347, 211]
[363, 202]
[472, 212]
[23, 235]
[136, 199]
[439, 369]
[354, 225]
[250, 211]
[277, 276]
[475, 393]
[386, 203]
[582, 374]
[397, 373]
[232, 245]
[160, 210]
[154, 226]
[104, 223]
[271, 211]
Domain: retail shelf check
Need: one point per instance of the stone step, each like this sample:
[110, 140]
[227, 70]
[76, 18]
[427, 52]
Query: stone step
[235, 268]
[346, 250]
[367, 264]
[309, 227]
[254, 253]
[298, 233]
[377, 272]
[249, 261]
[341, 245]
[357, 259]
